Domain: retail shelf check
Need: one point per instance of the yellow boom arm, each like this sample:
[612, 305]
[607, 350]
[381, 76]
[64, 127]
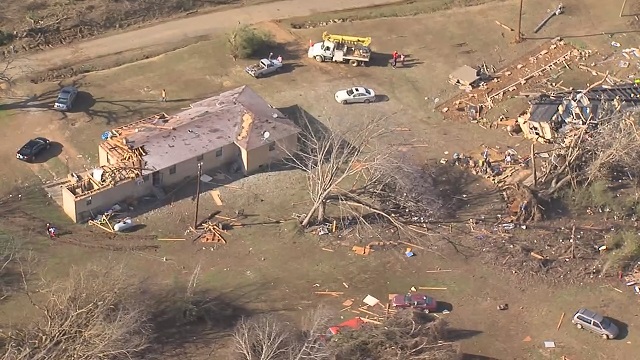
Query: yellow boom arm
[365, 41]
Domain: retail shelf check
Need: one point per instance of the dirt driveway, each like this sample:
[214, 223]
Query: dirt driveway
[181, 31]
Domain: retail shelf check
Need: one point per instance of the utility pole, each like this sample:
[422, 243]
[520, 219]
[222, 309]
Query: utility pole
[519, 34]
[624, 4]
[195, 219]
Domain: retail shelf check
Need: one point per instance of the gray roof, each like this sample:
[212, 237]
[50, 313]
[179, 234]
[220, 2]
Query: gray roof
[545, 107]
[237, 116]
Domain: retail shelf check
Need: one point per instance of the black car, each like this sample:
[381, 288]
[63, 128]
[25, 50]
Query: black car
[33, 148]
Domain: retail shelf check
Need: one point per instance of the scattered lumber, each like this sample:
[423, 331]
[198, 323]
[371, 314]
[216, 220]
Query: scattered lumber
[172, 239]
[436, 271]
[371, 321]
[213, 233]
[537, 256]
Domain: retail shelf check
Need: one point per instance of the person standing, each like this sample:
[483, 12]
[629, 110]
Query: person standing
[394, 60]
[163, 95]
[279, 59]
[402, 57]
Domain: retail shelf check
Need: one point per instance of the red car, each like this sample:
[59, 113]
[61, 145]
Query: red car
[415, 301]
[353, 324]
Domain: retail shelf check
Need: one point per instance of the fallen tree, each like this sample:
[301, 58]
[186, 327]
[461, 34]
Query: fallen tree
[351, 169]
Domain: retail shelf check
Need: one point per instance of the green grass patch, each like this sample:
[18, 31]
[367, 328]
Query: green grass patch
[599, 195]
[400, 9]
[626, 251]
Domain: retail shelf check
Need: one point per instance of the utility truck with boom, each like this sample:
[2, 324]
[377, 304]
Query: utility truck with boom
[342, 48]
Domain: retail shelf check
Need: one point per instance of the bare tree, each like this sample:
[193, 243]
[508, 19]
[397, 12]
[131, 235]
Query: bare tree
[270, 338]
[97, 313]
[357, 170]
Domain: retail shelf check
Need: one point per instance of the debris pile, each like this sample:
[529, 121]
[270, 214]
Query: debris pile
[541, 65]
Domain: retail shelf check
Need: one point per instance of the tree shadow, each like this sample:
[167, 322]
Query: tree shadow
[181, 321]
[467, 356]
[54, 150]
[461, 334]
[86, 103]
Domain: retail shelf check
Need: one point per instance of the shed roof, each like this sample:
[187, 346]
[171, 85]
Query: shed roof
[238, 116]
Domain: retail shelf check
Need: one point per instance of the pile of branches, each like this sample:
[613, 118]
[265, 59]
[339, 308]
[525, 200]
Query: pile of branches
[406, 335]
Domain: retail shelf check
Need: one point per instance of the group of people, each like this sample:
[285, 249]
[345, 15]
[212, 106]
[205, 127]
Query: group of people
[395, 57]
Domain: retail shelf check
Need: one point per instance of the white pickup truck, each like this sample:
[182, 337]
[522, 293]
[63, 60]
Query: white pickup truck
[263, 68]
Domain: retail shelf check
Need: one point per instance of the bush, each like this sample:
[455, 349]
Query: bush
[246, 41]
[5, 38]
[599, 195]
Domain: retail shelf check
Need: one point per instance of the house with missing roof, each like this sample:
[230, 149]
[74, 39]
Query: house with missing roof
[237, 129]
[553, 114]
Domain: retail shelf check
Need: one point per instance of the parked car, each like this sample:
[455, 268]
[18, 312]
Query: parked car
[356, 94]
[594, 322]
[415, 301]
[29, 151]
[263, 68]
[65, 99]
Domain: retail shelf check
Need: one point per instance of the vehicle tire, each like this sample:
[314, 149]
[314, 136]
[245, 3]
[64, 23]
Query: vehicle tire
[605, 336]
[579, 326]
[367, 101]
[344, 102]
[354, 63]
[319, 58]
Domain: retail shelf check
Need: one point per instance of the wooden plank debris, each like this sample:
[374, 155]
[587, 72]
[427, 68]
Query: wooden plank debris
[436, 271]
[332, 293]
[504, 26]
[348, 302]
[560, 322]
[329, 250]
[172, 239]
[432, 288]
[537, 256]
[371, 321]
[215, 194]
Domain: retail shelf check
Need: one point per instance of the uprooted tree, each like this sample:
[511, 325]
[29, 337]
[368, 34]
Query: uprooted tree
[97, 313]
[245, 41]
[351, 168]
[405, 335]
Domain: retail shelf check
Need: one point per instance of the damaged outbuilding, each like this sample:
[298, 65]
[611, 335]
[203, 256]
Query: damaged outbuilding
[550, 115]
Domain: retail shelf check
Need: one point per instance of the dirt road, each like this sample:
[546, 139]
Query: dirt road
[177, 31]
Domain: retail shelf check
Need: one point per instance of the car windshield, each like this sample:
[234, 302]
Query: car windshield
[366, 91]
[27, 149]
[350, 92]
[63, 98]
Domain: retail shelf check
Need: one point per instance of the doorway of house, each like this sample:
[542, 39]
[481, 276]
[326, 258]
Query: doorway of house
[156, 178]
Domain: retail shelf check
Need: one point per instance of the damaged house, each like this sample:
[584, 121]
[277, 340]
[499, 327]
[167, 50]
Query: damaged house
[550, 115]
[237, 129]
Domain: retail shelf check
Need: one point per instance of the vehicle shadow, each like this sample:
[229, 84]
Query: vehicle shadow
[622, 327]
[462, 334]
[54, 150]
[380, 59]
[444, 306]
[84, 102]
[381, 98]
